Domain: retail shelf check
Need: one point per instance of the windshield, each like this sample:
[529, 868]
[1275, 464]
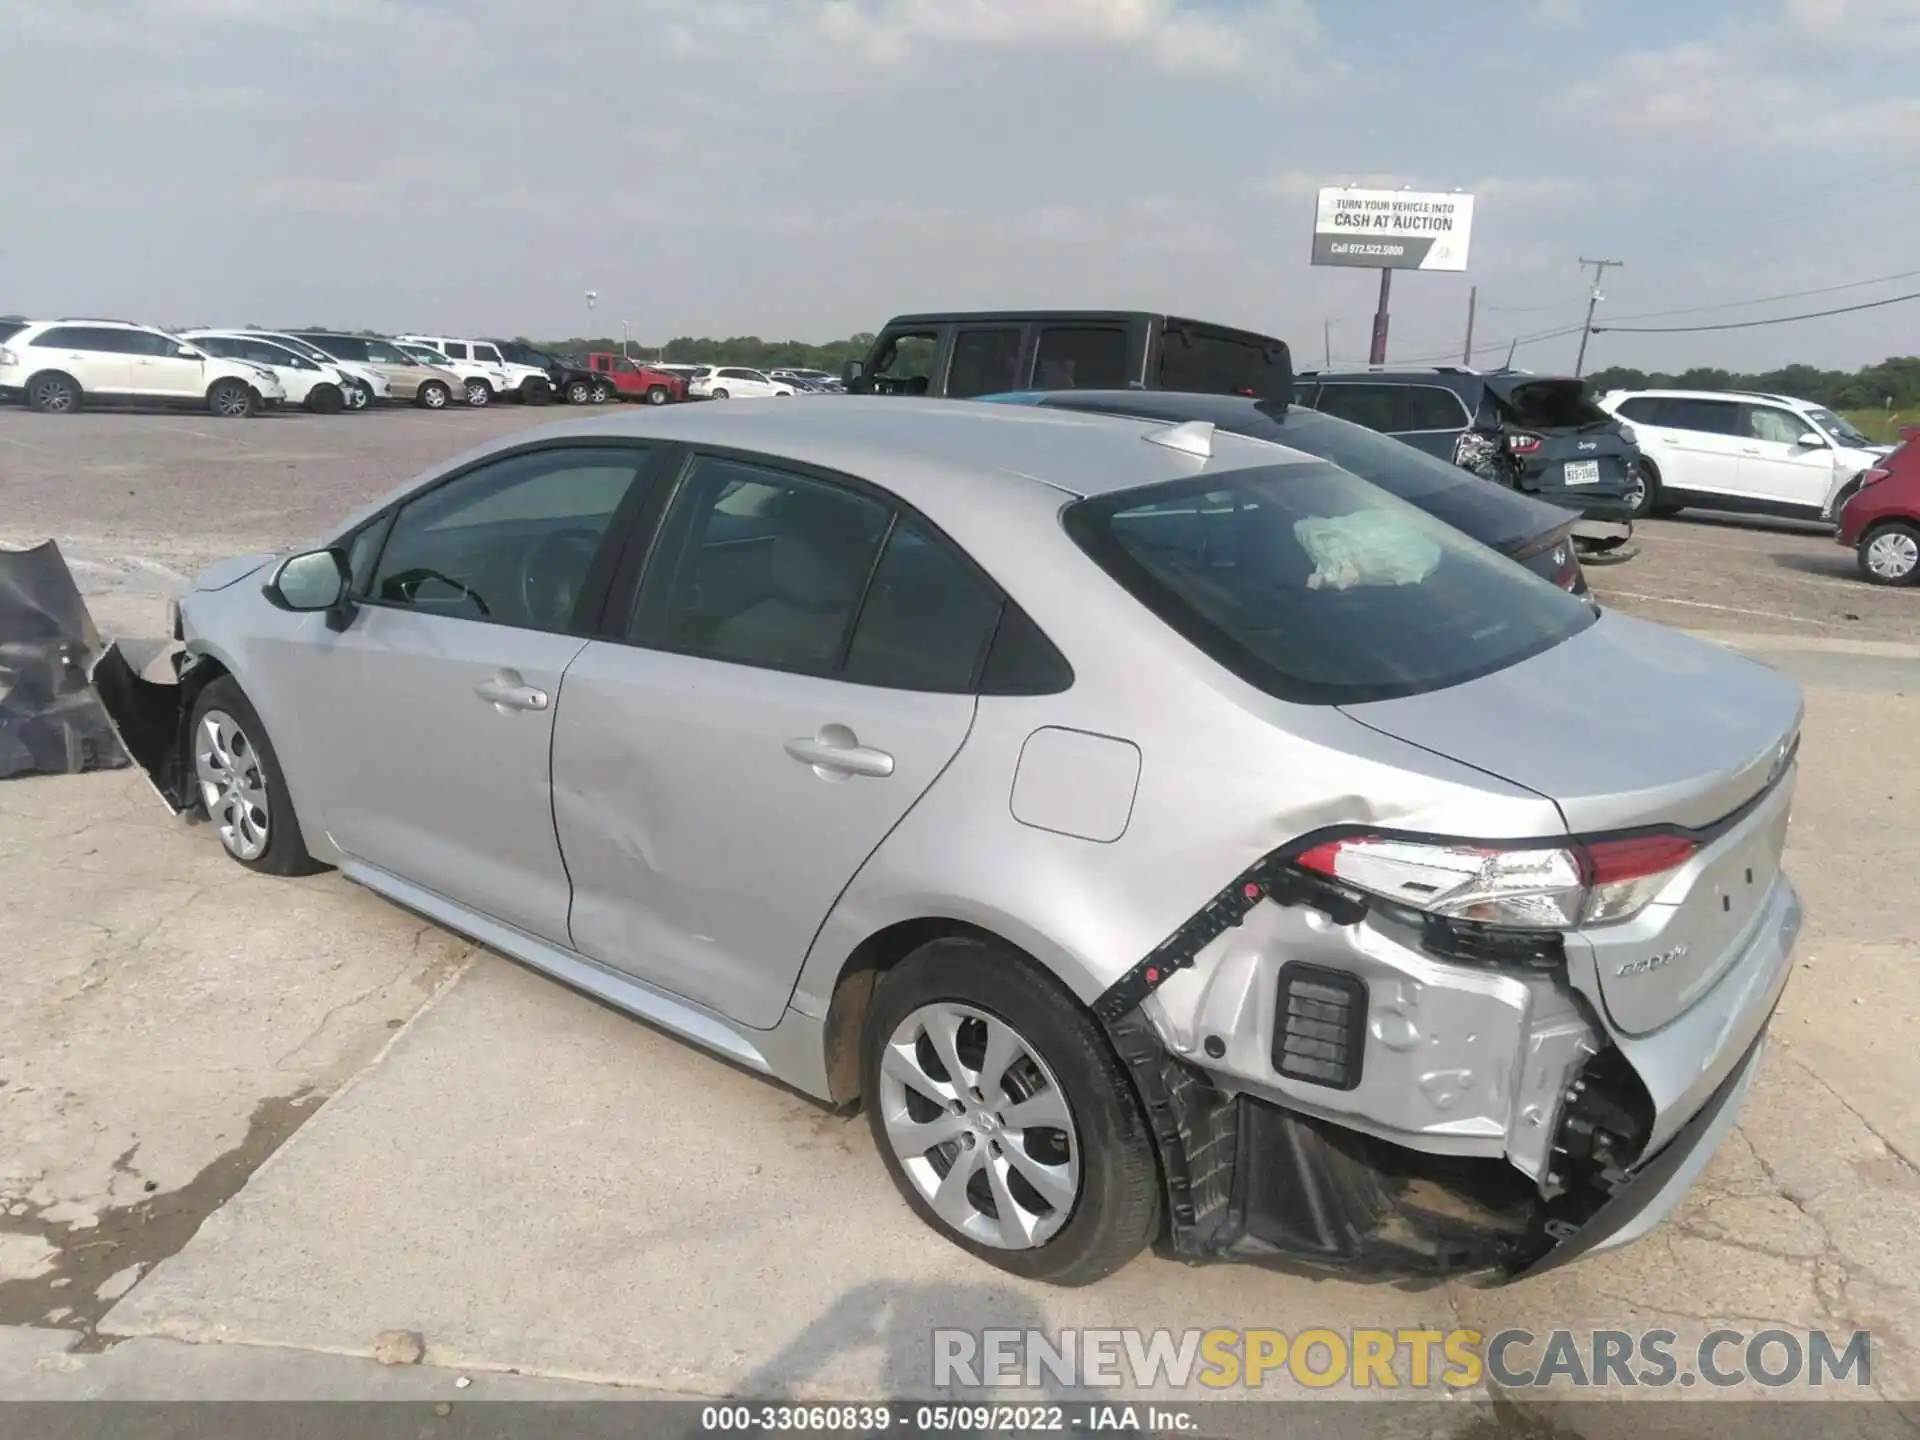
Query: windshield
[1840, 429]
[1320, 588]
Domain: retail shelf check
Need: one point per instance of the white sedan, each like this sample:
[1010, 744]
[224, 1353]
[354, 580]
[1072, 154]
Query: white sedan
[737, 382]
[322, 388]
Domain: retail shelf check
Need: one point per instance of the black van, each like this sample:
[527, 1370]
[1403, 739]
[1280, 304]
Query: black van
[966, 354]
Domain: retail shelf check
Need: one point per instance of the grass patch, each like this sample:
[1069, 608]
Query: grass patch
[1883, 426]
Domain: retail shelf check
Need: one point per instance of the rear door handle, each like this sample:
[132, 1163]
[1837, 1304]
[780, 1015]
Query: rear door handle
[837, 751]
[507, 691]
[1750, 450]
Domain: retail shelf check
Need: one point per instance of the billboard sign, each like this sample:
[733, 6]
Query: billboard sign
[1392, 229]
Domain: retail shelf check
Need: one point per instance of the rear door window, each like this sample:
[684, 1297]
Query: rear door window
[1704, 417]
[927, 619]
[1319, 588]
[345, 347]
[985, 361]
[1082, 357]
[1378, 407]
[1647, 409]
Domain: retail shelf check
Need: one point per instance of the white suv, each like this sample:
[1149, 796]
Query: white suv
[481, 382]
[57, 365]
[1738, 450]
[321, 388]
[737, 382]
[528, 383]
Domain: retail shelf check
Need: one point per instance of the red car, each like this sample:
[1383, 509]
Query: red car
[635, 381]
[1882, 520]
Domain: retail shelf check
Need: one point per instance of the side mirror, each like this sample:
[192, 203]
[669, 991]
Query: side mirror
[852, 372]
[315, 580]
[1811, 440]
[186, 352]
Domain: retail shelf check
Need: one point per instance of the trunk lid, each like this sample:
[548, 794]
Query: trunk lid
[1685, 735]
[1581, 448]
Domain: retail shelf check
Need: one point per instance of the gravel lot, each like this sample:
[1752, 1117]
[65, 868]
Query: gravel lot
[238, 1112]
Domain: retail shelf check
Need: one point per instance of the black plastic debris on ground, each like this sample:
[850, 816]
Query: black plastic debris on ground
[51, 722]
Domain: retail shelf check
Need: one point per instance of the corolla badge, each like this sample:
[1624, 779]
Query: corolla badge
[1653, 962]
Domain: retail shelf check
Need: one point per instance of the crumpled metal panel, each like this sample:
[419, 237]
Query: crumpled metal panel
[51, 721]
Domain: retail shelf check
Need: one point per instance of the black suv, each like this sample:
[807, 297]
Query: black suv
[965, 354]
[1541, 434]
[573, 383]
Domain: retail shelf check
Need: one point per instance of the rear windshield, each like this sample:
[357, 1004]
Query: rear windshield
[1550, 404]
[1319, 588]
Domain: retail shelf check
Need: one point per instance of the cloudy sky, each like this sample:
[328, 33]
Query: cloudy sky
[805, 168]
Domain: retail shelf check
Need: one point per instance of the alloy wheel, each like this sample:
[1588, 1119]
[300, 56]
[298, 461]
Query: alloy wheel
[232, 785]
[579, 393]
[53, 397]
[434, 397]
[478, 392]
[980, 1126]
[232, 402]
[1893, 555]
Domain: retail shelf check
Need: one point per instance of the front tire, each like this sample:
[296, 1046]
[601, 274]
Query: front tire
[535, 392]
[53, 394]
[358, 397]
[579, 392]
[232, 399]
[1889, 554]
[237, 776]
[657, 395]
[602, 392]
[432, 396]
[479, 394]
[1004, 1118]
[326, 400]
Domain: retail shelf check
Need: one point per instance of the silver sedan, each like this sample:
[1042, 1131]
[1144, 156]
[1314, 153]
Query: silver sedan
[1162, 834]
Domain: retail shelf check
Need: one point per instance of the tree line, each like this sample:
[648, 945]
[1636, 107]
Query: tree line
[1893, 384]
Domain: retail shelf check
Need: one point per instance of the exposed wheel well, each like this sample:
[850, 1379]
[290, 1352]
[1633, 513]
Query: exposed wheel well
[853, 991]
[51, 372]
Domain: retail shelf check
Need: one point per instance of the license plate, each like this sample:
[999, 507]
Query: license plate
[1583, 472]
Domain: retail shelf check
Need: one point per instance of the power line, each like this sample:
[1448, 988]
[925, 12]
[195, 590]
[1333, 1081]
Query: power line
[1750, 324]
[1769, 299]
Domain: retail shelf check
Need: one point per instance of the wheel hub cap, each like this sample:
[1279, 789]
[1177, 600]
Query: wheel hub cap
[1893, 556]
[980, 1125]
[231, 784]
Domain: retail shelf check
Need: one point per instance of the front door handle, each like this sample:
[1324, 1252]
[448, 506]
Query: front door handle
[507, 691]
[836, 753]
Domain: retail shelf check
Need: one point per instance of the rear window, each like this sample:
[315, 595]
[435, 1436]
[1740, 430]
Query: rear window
[1551, 404]
[1319, 588]
[1208, 362]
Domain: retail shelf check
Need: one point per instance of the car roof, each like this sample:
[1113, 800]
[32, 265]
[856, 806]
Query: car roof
[1715, 395]
[919, 448]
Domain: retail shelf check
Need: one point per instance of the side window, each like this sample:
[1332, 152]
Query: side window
[347, 348]
[927, 619]
[454, 350]
[904, 362]
[1765, 422]
[217, 345]
[1022, 660]
[145, 342]
[101, 341]
[509, 543]
[624, 367]
[984, 361]
[1430, 407]
[759, 566]
[1644, 408]
[1705, 417]
[363, 550]
[1378, 407]
[488, 354]
[381, 353]
[1081, 357]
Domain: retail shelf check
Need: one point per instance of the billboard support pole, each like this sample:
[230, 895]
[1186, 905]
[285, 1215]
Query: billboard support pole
[1377, 354]
[1473, 304]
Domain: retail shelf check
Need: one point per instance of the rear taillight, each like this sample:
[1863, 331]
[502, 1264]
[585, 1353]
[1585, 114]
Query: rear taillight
[1524, 444]
[1566, 564]
[1507, 885]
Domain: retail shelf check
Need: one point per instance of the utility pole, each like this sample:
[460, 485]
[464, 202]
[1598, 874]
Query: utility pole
[1326, 334]
[592, 295]
[1473, 304]
[1600, 267]
[1377, 352]
[624, 328]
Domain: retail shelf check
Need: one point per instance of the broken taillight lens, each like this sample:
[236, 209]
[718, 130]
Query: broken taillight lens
[1516, 886]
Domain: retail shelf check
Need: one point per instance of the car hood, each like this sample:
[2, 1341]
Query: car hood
[1625, 724]
[222, 573]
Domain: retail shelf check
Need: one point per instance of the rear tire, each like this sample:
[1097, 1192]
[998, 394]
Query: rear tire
[602, 392]
[326, 400]
[237, 778]
[1648, 501]
[1889, 554]
[720, 395]
[232, 399]
[53, 393]
[1063, 1061]
[432, 396]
